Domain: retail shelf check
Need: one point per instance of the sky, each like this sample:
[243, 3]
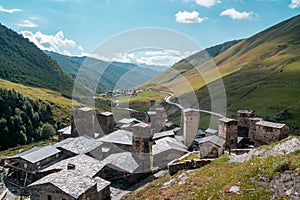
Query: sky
[78, 27]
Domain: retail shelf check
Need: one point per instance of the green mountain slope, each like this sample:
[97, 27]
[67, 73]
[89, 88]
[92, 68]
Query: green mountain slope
[22, 62]
[115, 74]
[260, 73]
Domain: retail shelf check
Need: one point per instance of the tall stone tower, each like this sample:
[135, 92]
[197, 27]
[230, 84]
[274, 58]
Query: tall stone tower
[104, 123]
[161, 117]
[228, 131]
[252, 127]
[140, 145]
[190, 125]
[243, 122]
[82, 122]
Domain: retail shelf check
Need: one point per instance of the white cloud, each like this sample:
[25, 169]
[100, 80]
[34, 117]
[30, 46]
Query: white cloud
[27, 23]
[2, 9]
[207, 3]
[294, 4]
[236, 14]
[153, 57]
[188, 17]
[56, 43]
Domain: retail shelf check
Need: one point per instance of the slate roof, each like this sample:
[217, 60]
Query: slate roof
[86, 109]
[213, 139]
[211, 131]
[270, 124]
[79, 145]
[163, 134]
[122, 161]
[166, 144]
[86, 165]
[37, 154]
[226, 119]
[71, 182]
[129, 121]
[65, 131]
[107, 113]
[118, 137]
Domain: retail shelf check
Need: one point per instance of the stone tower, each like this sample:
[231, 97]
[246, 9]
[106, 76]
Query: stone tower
[104, 123]
[190, 125]
[140, 145]
[228, 131]
[82, 122]
[243, 122]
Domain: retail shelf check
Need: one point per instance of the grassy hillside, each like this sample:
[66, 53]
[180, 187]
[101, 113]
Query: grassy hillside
[22, 62]
[115, 74]
[260, 73]
[253, 177]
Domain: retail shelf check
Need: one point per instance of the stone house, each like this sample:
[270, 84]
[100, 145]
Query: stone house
[210, 131]
[228, 131]
[211, 147]
[121, 166]
[73, 178]
[130, 121]
[23, 167]
[118, 141]
[165, 150]
[268, 132]
[80, 145]
[252, 127]
[69, 185]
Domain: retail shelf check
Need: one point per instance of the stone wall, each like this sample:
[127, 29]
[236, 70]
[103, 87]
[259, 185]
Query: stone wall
[174, 167]
[252, 127]
[104, 124]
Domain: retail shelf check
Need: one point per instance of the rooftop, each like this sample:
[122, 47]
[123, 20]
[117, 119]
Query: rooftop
[163, 134]
[128, 121]
[84, 164]
[79, 145]
[106, 113]
[167, 143]
[255, 118]
[142, 124]
[37, 154]
[71, 182]
[270, 124]
[118, 137]
[226, 119]
[122, 161]
[65, 131]
[245, 111]
[213, 139]
[85, 109]
[211, 131]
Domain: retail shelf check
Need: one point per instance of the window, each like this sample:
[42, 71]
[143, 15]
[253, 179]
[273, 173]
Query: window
[64, 199]
[38, 164]
[25, 165]
[49, 197]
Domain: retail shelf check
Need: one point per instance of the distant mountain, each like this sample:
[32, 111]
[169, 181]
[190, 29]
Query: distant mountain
[22, 62]
[110, 75]
[261, 73]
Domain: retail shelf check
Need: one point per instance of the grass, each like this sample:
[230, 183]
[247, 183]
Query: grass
[190, 156]
[209, 182]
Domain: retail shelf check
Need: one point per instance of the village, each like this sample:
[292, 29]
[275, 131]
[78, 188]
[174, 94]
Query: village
[96, 152]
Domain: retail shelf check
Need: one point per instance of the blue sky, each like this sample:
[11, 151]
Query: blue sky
[76, 27]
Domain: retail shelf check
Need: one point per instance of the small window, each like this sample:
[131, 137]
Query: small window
[57, 155]
[25, 165]
[49, 197]
[64, 199]
[38, 164]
